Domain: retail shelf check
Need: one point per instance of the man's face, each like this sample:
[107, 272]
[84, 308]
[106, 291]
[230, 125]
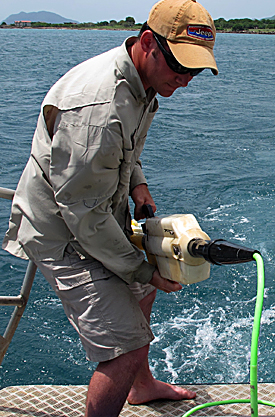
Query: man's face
[160, 76]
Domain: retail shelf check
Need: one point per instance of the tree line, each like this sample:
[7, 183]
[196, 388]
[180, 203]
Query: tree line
[231, 25]
[128, 23]
[240, 25]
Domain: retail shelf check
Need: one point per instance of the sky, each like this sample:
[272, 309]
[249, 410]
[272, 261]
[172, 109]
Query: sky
[96, 11]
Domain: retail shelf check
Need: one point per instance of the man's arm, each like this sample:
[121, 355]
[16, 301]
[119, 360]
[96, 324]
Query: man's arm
[85, 173]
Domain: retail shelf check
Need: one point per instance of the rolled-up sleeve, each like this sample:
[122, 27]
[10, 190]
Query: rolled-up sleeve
[137, 176]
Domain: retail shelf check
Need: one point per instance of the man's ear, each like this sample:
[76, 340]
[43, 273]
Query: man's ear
[147, 41]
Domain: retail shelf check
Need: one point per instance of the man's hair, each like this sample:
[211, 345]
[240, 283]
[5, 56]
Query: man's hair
[143, 29]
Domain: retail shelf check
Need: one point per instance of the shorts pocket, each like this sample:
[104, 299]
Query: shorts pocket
[72, 279]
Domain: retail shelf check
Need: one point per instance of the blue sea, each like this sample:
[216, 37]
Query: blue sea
[210, 152]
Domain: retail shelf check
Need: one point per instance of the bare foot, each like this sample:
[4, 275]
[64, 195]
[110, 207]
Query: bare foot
[157, 390]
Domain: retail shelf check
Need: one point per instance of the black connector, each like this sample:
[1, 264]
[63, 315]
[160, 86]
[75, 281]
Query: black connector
[220, 252]
[148, 211]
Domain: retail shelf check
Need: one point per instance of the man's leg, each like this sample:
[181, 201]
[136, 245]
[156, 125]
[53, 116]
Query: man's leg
[108, 318]
[145, 388]
[111, 383]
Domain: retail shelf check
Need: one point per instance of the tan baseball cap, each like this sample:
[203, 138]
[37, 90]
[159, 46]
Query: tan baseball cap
[189, 30]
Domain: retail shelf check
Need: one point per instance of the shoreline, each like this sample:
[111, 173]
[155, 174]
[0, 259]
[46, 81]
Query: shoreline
[246, 32]
[69, 28]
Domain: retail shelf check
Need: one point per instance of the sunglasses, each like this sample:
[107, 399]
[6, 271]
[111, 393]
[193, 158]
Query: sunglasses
[173, 63]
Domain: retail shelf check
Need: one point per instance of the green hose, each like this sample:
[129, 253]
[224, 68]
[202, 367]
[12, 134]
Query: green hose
[254, 352]
[255, 336]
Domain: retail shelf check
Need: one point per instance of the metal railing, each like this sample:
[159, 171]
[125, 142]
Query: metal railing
[19, 301]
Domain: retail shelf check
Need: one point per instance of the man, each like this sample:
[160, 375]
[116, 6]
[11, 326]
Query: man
[70, 212]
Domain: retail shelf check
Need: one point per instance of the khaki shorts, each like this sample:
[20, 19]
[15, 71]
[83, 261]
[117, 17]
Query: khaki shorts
[102, 308]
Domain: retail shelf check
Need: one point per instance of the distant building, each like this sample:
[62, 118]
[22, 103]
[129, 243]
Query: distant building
[22, 23]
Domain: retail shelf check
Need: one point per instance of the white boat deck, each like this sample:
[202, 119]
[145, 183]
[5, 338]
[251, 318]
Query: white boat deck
[69, 401]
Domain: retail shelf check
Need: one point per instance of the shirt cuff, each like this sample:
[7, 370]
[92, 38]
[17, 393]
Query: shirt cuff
[137, 177]
[144, 274]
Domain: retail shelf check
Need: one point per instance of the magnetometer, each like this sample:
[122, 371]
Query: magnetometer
[180, 249]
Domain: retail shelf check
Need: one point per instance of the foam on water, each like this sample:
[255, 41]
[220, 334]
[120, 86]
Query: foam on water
[214, 348]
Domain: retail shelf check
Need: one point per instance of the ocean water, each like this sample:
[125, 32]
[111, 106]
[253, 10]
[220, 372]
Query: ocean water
[210, 152]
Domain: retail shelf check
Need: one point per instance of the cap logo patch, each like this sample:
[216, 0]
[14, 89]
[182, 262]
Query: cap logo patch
[201, 32]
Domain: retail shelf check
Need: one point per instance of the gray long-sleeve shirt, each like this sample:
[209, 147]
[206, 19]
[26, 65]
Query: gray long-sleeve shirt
[75, 186]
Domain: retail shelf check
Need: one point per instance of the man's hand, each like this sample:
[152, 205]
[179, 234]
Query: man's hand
[164, 284]
[140, 196]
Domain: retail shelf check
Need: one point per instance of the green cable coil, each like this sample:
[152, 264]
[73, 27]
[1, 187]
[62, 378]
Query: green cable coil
[254, 352]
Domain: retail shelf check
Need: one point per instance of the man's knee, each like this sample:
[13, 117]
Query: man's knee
[140, 354]
[135, 357]
[130, 361]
